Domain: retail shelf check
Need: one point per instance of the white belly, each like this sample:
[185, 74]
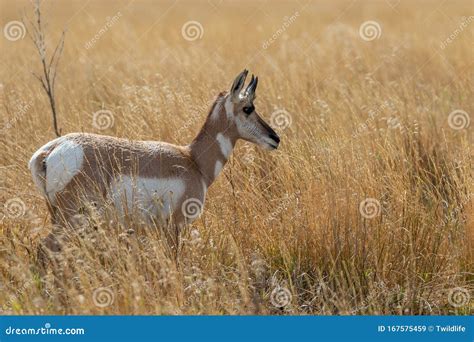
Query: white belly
[148, 197]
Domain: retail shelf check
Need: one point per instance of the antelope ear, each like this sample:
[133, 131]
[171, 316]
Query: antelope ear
[250, 91]
[238, 84]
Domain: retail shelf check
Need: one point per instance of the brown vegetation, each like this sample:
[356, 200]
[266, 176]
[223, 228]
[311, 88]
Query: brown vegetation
[369, 120]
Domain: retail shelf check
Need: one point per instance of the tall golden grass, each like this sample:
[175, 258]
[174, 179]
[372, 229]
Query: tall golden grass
[364, 122]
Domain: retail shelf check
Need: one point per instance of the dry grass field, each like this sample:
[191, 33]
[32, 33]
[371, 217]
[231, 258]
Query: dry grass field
[366, 207]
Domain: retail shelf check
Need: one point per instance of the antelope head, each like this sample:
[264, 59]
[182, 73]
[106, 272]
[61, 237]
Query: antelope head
[244, 119]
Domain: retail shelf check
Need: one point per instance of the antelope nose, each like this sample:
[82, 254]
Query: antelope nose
[275, 137]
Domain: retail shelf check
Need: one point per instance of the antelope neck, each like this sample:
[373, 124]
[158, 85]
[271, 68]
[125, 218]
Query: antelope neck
[214, 143]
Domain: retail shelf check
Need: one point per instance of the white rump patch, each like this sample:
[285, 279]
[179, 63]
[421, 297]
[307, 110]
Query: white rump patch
[39, 174]
[64, 162]
[225, 144]
[217, 168]
[152, 197]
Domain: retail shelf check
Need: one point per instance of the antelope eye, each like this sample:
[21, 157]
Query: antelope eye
[248, 110]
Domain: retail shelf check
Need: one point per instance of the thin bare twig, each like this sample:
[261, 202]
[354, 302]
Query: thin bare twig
[48, 78]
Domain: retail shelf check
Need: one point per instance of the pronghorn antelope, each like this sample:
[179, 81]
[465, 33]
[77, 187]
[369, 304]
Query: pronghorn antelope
[157, 178]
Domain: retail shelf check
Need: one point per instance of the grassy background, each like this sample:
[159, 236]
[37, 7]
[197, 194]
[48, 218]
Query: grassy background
[369, 119]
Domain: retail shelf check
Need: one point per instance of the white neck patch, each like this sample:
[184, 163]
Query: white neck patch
[225, 144]
[217, 168]
[215, 111]
[204, 187]
[229, 107]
